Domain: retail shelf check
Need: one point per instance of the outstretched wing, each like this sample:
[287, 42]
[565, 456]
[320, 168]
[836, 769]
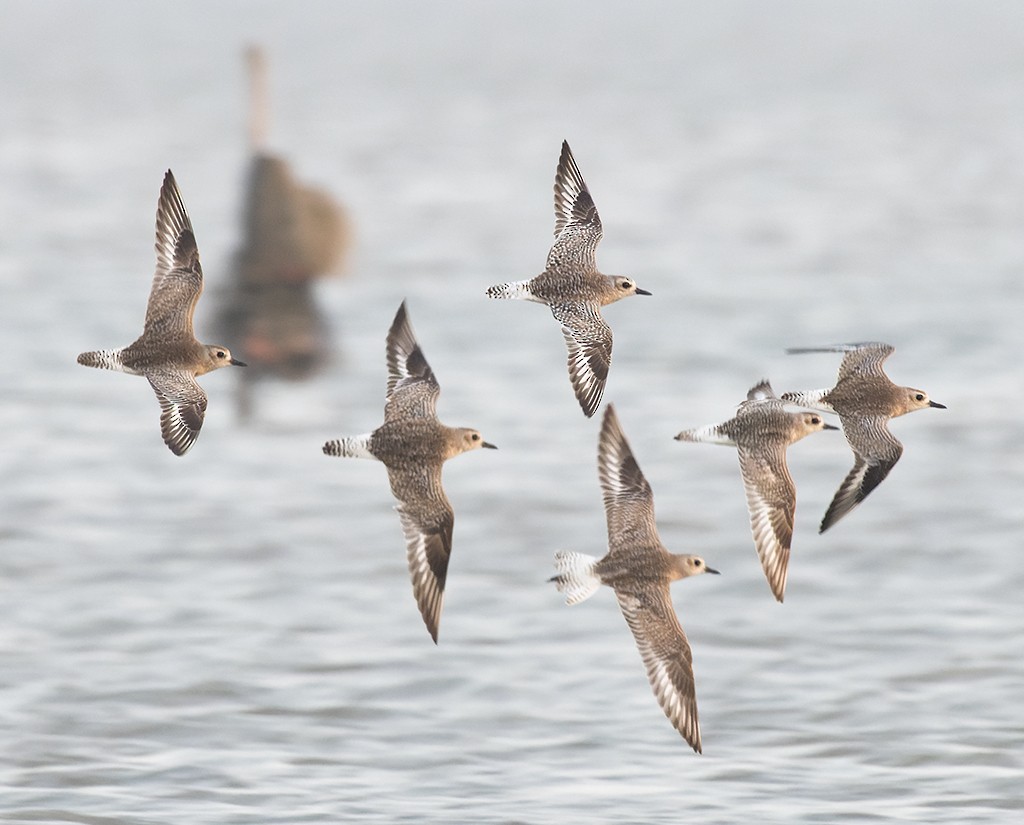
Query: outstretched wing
[427, 522]
[182, 408]
[666, 656]
[865, 358]
[589, 341]
[578, 228]
[178, 280]
[412, 387]
[876, 452]
[628, 500]
[771, 501]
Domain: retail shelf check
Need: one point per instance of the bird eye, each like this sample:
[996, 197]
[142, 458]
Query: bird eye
[697, 562]
[476, 436]
[919, 396]
[220, 354]
[815, 419]
[626, 285]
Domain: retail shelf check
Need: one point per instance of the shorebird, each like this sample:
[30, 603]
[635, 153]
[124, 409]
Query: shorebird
[167, 353]
[761, 431]
[573, 288]
[414, 445]
[640, 570]
[864, 399]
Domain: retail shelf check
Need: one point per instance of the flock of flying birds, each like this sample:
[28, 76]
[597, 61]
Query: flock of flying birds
[413, 444]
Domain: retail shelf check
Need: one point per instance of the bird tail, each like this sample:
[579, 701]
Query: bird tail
[576, 577]
[513, 289]
[104, 359]
[809, 398]
[357, 446]
[711, 434]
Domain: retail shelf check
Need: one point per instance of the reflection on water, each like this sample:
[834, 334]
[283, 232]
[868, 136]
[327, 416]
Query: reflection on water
[230, 637]
[293, 234]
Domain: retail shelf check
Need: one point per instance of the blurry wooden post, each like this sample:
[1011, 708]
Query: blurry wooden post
[293, 234]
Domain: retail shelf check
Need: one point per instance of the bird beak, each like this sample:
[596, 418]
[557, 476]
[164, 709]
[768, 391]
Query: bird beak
[829, 427]
[236, 363]
[936, 404]
[488, 446]
[711, 570]
[642, 291]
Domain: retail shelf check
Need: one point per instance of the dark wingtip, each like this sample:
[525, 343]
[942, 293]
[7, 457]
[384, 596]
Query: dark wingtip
[400, 315]
[588, 411]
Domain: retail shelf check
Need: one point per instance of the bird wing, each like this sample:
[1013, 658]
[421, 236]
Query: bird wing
[427, 522]
[876, 451]
[578, 228]
[589, 341]
[178, 280]
[628, 499]
[865, 358]
[182, 408]
[759, 393]
[666, 655]
[771, 501]
[412, 387]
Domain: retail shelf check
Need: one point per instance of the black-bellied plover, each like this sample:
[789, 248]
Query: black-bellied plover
[167, 353]
[864, 399]
[761, 431]
[640, 570]
[572, 286]
[414, 445]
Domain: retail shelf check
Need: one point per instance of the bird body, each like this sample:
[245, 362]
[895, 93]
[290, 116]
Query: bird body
[413, 445]
[167, 353]
[573, 288]
[639, 569]
[864, 399]
[761, 431]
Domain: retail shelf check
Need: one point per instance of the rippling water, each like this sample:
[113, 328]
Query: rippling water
[231, 637]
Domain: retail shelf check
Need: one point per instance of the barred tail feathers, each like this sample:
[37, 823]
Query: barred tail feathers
[711, 434]
[513, 289]
[357, 446]
[814, 399]
[576, 577]
[104, 359]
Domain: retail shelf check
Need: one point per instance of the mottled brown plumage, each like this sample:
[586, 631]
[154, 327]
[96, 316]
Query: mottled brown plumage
[639, 569]
[761, 431]
[864, 399]
[167, 353]
[573, 288]
[413, 444]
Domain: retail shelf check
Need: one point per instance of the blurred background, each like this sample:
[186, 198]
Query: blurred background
[231, 636]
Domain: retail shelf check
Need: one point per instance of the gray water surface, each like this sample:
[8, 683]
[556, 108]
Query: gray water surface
[231, 637]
